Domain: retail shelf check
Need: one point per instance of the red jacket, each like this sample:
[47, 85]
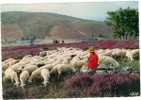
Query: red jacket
[92, 60]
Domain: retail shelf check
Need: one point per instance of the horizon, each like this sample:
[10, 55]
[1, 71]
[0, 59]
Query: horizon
[52, 13]
[96, 11]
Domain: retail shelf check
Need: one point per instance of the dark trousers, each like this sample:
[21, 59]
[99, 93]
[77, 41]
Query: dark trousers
[92, 72]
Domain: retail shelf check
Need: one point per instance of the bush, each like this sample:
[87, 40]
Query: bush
[76, 84]
[82, 85]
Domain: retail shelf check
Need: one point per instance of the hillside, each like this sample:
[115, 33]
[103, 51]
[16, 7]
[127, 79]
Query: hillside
[22, 25]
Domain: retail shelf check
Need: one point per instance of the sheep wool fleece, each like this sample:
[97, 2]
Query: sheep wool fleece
[92, 60]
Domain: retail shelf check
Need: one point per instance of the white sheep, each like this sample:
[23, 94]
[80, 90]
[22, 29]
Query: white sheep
[118, 52]
[62, 67]
[17, 67]
[107, 60]
[8, 62]
[45, 75]
[78, 62]
[24, 75]
[35, 74]
[10, 74]
[60, 60]
[26, 59]
[99, 51]
[107, 52]
[131, 53]
[29, 67]
[68, 61]
[37, 60]
[40, 73]
[23, 65]
[5, 66]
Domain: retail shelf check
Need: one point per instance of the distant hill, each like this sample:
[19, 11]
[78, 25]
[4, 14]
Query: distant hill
[22, 25]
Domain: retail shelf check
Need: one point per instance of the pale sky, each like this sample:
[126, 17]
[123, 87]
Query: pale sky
[93, 11]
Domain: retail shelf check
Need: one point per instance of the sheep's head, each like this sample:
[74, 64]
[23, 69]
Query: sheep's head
[20, 68]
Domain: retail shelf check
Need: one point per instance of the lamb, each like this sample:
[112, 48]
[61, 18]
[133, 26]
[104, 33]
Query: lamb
[45, 75]
[35, 74]
[26, 59]
[107, 52]
[100, 51]
[26, 71]
[54, 62]
[135, 52]
[118, 52]
[131, 53]
[48, 60]
[10, 74]
[112, 52]
[37, 60]
[41, 72]
[62, 67]
[8, 62]
[68, 62]
[29, 67]
[22, 63]
[65, 58]
[107, 60]
[23, 77]
[78, 62]
[52, 56]
[5, 65]
[17, 67]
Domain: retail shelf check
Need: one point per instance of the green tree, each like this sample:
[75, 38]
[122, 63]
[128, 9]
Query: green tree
[124, 23]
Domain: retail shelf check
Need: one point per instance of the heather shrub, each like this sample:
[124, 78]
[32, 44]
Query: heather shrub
[75, 85]
[114, 85]
[119, 84]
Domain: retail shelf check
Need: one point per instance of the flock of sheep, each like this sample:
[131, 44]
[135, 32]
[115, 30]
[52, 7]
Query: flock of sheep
[30, 68]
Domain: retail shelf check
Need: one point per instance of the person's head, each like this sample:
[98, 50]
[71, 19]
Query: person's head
[91, 50]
